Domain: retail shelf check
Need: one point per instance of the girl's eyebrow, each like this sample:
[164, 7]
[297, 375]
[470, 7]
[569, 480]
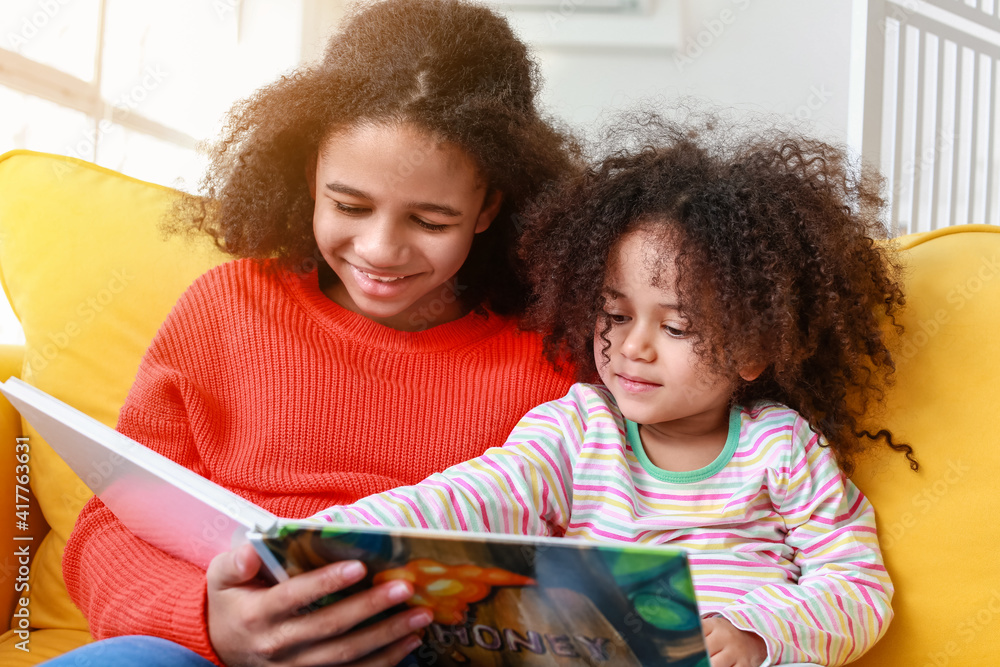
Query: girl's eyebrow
[340, 188]
[429, 207]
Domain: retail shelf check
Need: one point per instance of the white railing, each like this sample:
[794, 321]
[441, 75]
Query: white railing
[931, 118]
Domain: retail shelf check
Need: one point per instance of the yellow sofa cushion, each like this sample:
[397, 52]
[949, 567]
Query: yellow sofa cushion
[90, 276]
[938, 528]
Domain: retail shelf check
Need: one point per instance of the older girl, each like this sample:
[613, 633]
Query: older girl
[366, 337]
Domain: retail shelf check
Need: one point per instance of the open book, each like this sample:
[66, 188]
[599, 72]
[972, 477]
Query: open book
[497, 599]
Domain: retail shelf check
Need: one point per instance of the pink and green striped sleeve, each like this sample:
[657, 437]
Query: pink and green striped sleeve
[840, 606]
[520, 488]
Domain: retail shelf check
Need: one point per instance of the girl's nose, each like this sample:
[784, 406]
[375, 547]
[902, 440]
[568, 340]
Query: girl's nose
[638, 344]
[381, 244]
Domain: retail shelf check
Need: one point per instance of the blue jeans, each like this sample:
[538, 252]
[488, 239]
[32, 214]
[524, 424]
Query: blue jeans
[131, 651]
[139, 651]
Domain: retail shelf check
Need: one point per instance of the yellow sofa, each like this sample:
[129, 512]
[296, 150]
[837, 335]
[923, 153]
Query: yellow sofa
[90, 277]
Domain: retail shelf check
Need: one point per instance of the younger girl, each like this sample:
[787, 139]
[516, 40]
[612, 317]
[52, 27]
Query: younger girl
[737, 297]
[370, 202]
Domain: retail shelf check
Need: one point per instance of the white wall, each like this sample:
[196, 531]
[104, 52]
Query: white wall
[782, 56]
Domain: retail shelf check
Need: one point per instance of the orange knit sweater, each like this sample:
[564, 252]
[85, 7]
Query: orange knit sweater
[260, 383]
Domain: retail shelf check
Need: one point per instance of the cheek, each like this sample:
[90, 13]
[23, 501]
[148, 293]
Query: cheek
[324, 228]
[448, 254]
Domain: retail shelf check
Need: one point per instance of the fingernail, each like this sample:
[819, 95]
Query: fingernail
[421, 620]
[413, 644]
[352, 570]
[399, 591]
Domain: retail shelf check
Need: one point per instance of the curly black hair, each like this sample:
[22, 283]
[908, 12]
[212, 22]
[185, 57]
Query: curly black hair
[775, 255]
[449, 67]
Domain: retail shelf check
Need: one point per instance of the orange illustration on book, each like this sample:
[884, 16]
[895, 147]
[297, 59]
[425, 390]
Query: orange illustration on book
[448, 590]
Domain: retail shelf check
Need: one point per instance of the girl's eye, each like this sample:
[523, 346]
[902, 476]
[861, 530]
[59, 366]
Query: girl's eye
[349, 210]
[617, 319]
[430, 226]
[674, 332]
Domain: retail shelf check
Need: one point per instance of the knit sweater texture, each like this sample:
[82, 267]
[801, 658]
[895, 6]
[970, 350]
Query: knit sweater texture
[260, 383]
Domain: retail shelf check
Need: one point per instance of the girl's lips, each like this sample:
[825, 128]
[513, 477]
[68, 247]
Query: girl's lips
[636, 385]
[380, 285]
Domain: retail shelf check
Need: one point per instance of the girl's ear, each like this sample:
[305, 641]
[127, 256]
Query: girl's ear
[752, 372]
[311, 174]
[494, 198]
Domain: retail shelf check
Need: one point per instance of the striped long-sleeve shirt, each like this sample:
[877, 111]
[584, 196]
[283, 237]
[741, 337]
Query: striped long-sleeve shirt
[780, 542]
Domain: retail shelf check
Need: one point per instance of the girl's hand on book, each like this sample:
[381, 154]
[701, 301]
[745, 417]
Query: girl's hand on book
[730, 647]
[253, 624]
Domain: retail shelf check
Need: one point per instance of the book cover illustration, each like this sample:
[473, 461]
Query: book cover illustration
[499, 603]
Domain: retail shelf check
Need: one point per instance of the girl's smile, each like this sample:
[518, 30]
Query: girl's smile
[395, 215]
[379, 284]
[636, 385]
